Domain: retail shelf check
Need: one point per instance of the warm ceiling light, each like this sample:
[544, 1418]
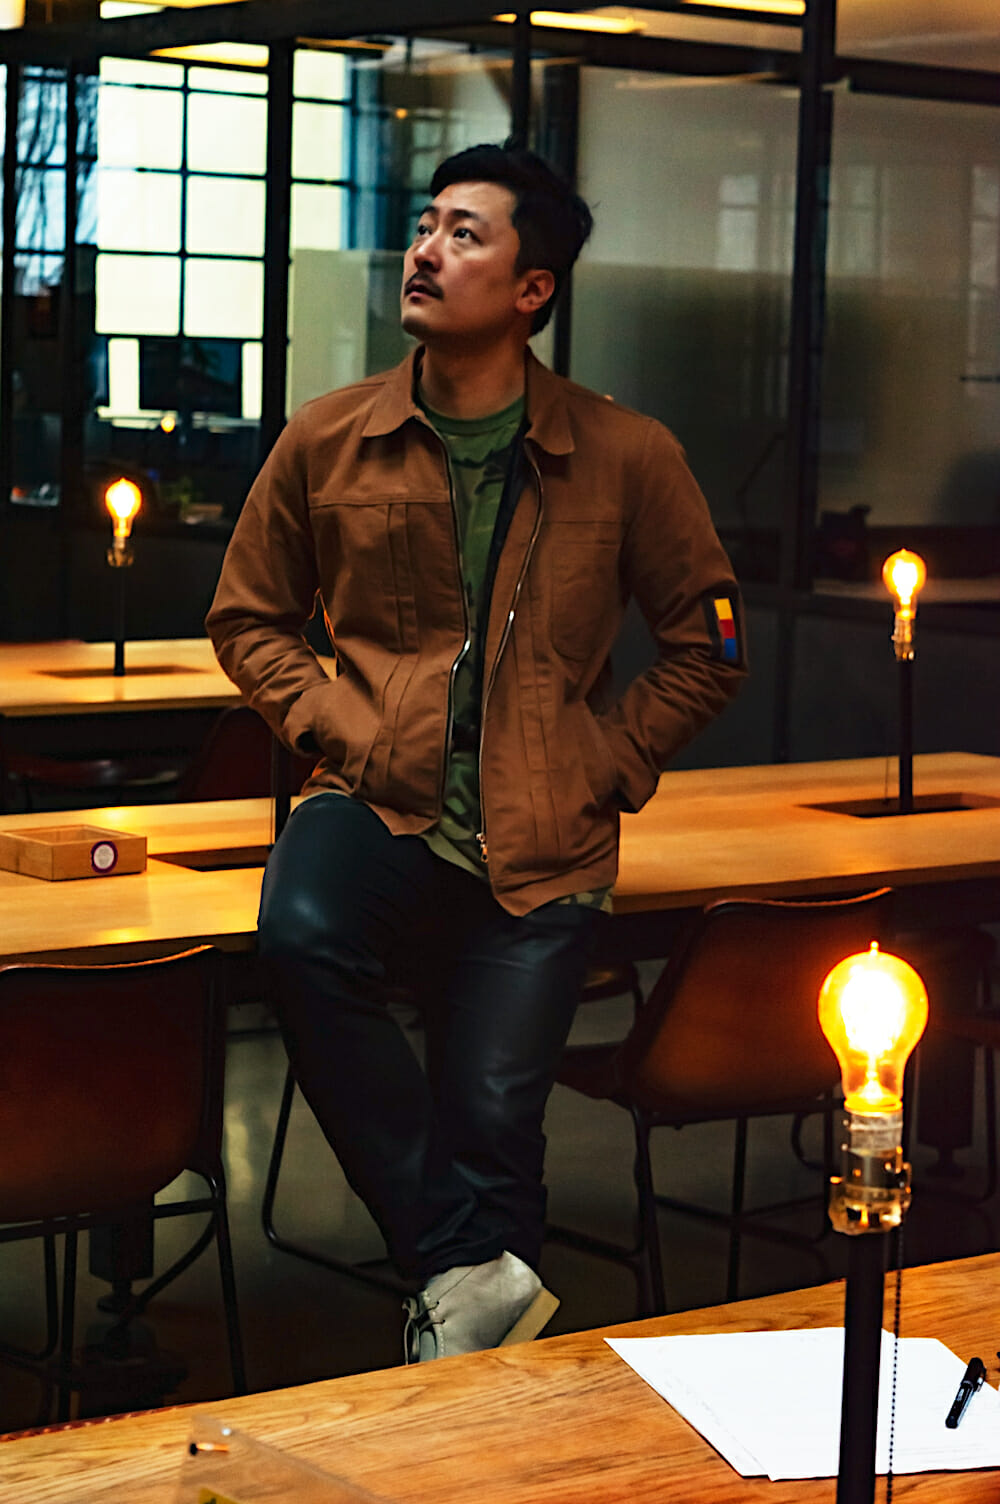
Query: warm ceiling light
[566, 20]
[11, 14]
[238, 54]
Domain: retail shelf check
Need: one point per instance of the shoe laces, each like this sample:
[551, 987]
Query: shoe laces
[420, 1320]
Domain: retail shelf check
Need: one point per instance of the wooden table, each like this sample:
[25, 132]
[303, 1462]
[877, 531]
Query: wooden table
[744, 831]
[76, 678]
[559, 1421]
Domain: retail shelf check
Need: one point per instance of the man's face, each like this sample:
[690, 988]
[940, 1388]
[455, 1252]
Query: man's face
[459, 282]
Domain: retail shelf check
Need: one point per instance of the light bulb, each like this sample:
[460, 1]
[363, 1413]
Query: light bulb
[904, 575]
[123, 500]
[872, 1010]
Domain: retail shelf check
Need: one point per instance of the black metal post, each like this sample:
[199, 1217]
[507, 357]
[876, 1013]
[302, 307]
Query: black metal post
[862, 1354]
[7, 234]
[906, 736]
[805, 345]
[277, 236]
[119, 623]
[520, 84]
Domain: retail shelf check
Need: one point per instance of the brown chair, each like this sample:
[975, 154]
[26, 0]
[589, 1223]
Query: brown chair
[957, 967]
[111, 1085]
[728, 1031]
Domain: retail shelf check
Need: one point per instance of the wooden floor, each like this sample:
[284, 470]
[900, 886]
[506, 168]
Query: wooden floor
[302, 1323]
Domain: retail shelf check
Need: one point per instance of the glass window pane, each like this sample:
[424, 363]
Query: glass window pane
[253, 380]
[123, 377]
[41, 211]
[225, 216]
[224, 298]
[229, 80]
[318, 217]
[320, 75]
[138, 211]
[138, 294]
[34, 274]
[226, 134]
[41, 125]
[139, 128]
[130, 70]
[317, 141]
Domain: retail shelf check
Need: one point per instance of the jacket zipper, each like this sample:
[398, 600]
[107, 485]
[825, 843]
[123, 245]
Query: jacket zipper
[505, 634]
[460, 565]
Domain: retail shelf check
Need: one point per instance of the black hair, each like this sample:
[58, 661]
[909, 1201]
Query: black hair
[552, 222]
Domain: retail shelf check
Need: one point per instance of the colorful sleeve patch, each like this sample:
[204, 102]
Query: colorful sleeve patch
[723, 617]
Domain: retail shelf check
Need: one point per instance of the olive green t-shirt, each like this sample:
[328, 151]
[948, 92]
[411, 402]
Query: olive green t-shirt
[479, 454]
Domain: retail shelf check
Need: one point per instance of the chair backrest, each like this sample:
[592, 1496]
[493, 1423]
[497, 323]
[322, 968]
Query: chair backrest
[234, 761]
[110, 1082]
[731, 1026]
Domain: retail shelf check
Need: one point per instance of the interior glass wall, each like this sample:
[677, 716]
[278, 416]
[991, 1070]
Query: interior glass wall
[911, 382]
[412, 103]
[38, 282]
[681, 299]
[177, 246]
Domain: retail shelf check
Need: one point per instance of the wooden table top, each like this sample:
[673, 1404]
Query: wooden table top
[559, 1421]
[756, 831]
[76, 678]
[745, 831]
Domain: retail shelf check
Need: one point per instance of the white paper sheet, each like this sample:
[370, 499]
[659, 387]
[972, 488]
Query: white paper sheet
[769, 1402]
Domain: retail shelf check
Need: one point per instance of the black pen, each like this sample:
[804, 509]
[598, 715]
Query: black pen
[972, 1381]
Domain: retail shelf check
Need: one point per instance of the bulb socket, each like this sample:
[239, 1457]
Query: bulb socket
[873, 1192]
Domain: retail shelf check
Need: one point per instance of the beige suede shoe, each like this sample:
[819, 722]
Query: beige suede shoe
[476, 1306]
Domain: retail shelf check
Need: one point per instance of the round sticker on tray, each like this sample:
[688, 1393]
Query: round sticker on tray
[103, 856]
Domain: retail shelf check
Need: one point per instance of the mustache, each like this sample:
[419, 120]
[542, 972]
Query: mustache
[422, 283]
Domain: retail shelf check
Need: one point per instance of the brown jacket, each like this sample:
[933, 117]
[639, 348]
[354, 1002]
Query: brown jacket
[354, 502]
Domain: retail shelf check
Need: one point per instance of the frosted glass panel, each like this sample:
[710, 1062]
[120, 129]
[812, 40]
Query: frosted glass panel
[138, 211]
[226, 134]
[911, 402]
[137, 294]
[317, 217]
[680, 300]
[228, 80]
[321, 75]
[224, 298]
[225, 216]
[317, 141]
[127, 70]
[139, 128]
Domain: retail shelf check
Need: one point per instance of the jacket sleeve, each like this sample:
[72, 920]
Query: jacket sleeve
[266, 594]
[684, 585]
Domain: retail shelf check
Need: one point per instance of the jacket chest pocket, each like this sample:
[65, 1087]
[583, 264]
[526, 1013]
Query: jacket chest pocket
[360, 570]
[583, 565]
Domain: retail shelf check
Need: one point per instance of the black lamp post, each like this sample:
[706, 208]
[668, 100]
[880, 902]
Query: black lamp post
[123, 500]
[904, 574]
[872, 1009]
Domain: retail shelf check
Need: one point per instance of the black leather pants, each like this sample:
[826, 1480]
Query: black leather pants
[448, 1159]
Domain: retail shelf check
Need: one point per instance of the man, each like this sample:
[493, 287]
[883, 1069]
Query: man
[474, 526]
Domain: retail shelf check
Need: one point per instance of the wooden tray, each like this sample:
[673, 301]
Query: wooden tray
[68, 851]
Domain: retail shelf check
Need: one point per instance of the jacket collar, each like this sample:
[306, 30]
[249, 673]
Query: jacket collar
[549, 425]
